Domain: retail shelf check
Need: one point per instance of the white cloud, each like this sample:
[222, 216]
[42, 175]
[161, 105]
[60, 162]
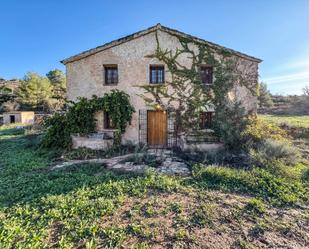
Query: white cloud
[289, 77]
[300, 76]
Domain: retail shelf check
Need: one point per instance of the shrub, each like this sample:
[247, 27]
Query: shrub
[58, 132]
[273, 150]
[257, 130]
[230, 129]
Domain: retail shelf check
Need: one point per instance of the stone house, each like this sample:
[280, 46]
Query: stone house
[123, 64]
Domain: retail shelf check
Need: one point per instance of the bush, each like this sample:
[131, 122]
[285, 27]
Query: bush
[258, 130]
[58, 133]
[230, 129]
[258, 182]
[271, 150]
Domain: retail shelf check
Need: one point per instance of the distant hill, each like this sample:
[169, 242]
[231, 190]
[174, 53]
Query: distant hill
[288, 105]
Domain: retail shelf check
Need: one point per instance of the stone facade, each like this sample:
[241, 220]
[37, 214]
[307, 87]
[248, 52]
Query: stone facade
[85, 72]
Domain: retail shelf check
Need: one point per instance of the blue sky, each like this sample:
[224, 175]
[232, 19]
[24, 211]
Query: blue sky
[36, 34]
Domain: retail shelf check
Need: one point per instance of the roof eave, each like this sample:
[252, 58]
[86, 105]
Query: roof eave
[147, 31]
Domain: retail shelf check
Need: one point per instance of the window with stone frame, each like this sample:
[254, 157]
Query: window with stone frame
[110, 74]
[108, 122]
[206, 74]
[156, 74]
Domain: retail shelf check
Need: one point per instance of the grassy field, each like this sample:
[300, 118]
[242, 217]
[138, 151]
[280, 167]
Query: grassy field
[90, 207]
[294, 121]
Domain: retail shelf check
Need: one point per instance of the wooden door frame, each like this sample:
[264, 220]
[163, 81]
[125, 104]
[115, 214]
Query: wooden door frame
[166, 131]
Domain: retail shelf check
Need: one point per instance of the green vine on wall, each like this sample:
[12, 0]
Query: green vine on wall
[80, 118]
[185, 93]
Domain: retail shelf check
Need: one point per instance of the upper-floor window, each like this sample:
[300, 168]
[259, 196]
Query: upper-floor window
[111, 74]
[156, 74]
[206, 74]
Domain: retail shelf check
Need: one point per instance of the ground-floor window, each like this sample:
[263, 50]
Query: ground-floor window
[108, 122]
[206, 120]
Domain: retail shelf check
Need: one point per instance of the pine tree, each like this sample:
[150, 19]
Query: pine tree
[264, 98]
[34, 91]
[58, 82]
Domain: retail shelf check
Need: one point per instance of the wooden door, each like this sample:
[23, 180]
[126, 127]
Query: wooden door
[156, 128]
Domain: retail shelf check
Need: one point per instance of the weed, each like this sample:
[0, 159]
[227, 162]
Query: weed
[181, 234]
[141, 246]
[258, 230]
[176, 208]
[135, 229]
[113, 236]
[204, 214]
[243, 244]
[255, 206]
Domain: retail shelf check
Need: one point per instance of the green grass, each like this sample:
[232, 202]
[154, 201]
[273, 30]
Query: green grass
[294, 121]
[87, 206]
[258, 182]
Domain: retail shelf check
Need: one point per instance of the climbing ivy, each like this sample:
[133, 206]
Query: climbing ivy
[187, 96]
[80, 118]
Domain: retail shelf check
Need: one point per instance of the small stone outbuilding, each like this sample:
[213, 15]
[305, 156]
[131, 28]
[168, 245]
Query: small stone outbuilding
[23, 117]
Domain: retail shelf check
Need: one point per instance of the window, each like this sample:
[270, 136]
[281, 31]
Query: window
[111, 74]
[156, 74]
[108, 123]
[206, 120]
[206, 74]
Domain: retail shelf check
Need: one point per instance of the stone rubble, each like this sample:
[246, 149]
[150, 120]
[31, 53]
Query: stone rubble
[171, 164]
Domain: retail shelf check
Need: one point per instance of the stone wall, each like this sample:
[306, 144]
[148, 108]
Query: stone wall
[85, 77]
[27, 117]
[91, 142]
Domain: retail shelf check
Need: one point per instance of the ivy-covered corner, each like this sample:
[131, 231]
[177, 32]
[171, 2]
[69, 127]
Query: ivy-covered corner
[80, 118]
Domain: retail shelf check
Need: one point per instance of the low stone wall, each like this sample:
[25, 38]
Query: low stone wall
[98, 141]
[202, 146]
[203, 140]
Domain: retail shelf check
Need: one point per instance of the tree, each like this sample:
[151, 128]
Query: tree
[34, 91]
[58, 82]
[264, 97]
[6, 94]
[306, 90]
